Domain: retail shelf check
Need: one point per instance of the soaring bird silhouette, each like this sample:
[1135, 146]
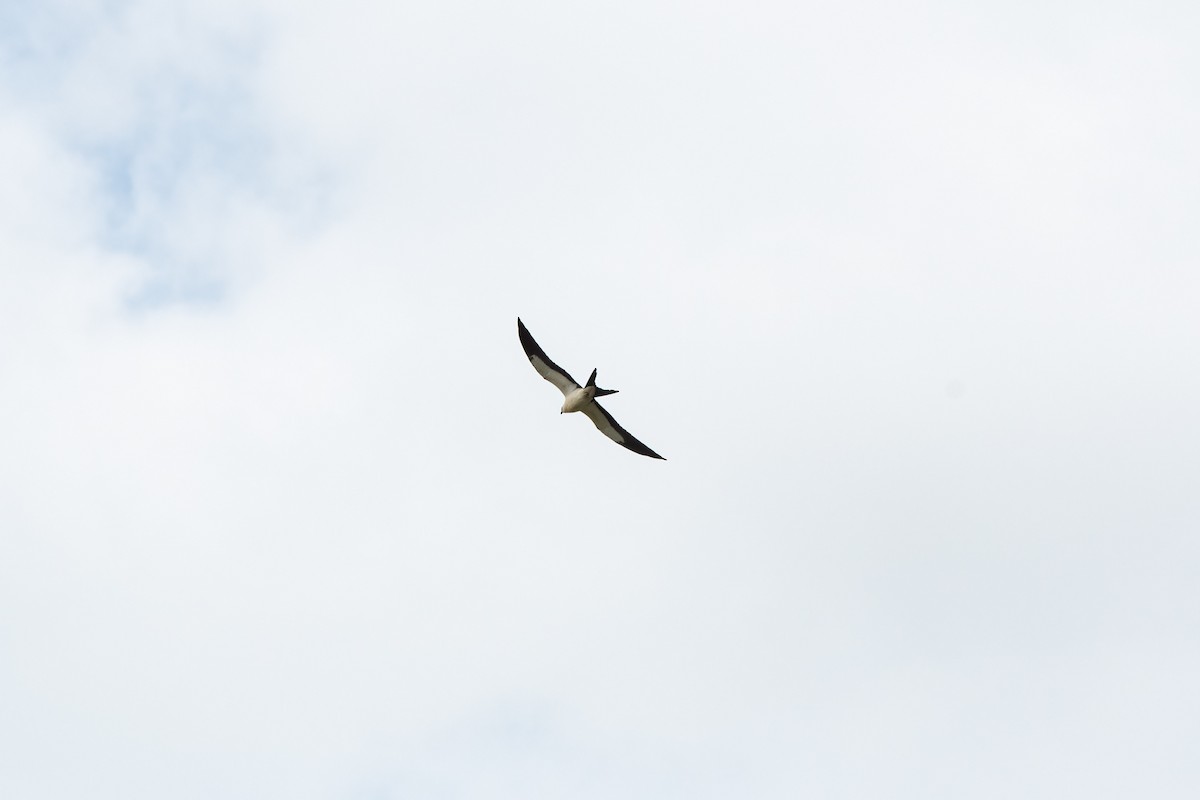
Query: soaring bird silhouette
[580, 398]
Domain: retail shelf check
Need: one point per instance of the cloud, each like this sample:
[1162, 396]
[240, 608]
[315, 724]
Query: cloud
[286, 511]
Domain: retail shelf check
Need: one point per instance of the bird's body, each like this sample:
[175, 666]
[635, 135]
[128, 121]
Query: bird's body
[580, 398]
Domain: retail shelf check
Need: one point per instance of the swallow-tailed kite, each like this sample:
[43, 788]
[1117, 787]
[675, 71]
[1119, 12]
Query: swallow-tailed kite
[580, 398]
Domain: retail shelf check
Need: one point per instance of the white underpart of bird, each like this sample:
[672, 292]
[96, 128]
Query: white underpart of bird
[576, 400]
[580, 398]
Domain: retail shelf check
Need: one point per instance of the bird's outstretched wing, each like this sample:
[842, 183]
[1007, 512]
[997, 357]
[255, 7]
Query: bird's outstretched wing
[609, 427]
[542, 363]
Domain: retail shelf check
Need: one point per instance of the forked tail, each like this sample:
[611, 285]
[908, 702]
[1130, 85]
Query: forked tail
[599, 392]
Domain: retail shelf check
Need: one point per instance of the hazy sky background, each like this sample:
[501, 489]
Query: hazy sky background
[907, 293]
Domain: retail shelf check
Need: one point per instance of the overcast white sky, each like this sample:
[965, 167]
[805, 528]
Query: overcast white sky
[907, 293]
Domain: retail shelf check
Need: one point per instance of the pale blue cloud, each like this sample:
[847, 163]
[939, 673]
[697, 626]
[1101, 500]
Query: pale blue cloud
[162, 105]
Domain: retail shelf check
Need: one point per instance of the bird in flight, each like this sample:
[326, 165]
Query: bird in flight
[580, 398]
